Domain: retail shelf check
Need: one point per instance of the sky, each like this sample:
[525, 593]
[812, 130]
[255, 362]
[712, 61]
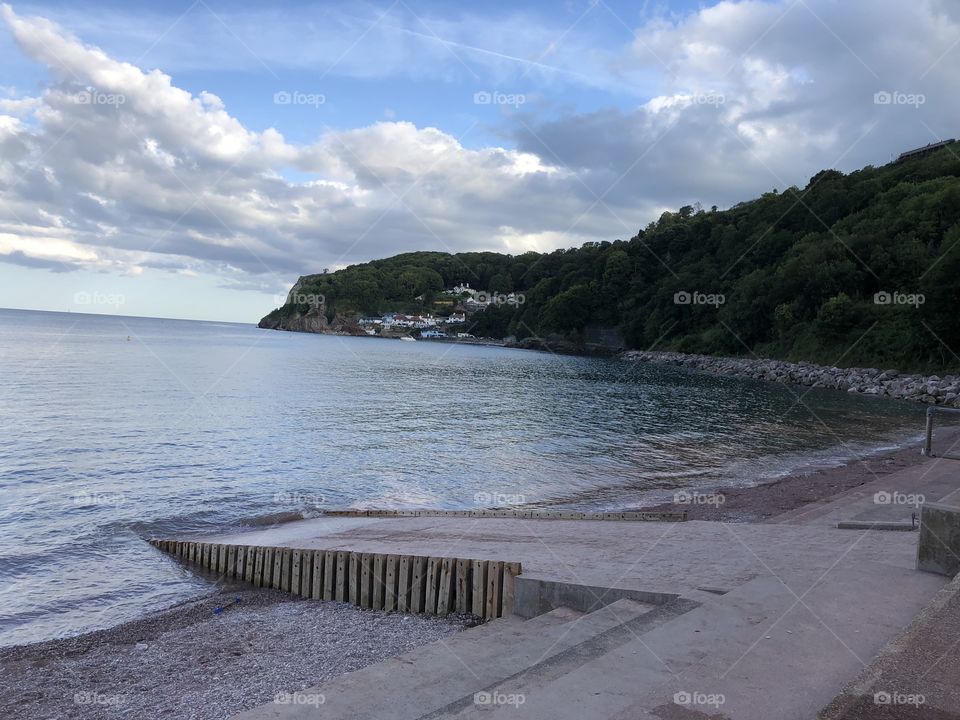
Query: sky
[192, 159]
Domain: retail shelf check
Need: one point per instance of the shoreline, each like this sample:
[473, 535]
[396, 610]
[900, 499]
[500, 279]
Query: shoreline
[892, 384]
[269, 642]
[765, 501]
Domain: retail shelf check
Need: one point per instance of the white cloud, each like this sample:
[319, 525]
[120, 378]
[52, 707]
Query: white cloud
[115, 168]
[755, 94]
[137, 172]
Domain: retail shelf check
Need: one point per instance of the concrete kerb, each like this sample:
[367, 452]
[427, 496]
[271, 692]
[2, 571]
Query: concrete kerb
[535, 596]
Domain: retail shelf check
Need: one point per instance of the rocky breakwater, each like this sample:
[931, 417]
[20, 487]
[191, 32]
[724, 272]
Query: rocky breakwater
[930, 389]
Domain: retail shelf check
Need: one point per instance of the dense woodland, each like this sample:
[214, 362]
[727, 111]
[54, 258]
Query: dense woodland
[799, 272]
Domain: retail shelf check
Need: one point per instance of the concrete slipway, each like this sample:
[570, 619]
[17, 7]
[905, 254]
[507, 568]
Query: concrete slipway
[632, 619]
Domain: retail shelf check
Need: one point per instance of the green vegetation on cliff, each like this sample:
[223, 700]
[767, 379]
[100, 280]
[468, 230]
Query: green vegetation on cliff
[859, 269]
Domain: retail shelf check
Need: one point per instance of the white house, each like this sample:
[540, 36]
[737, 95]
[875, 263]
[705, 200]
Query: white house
[460, 289]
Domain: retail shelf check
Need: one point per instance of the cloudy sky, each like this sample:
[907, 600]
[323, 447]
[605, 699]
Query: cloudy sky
[192, 159]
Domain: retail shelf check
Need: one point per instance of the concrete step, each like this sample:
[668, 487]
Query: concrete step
[538, 682]
[449, 672]
[752, 654]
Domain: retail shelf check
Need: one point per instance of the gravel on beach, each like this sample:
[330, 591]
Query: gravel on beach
[195, 662]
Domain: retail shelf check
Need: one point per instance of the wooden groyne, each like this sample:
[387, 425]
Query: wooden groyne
[404, 583]
[523, 514]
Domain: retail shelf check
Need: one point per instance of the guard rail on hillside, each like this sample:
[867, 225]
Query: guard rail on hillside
[928, 445]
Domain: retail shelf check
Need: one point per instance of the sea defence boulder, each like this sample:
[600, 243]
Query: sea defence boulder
[931, 389]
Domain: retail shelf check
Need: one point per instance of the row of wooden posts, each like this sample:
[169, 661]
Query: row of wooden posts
[405, 583]
[521, 514]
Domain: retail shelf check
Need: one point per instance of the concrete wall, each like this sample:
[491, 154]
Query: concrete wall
[533, 596]
[938, 550]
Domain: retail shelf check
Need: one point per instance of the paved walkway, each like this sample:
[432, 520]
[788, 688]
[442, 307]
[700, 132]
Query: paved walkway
[783, 614]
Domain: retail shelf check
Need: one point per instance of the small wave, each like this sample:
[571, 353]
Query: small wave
[277, 518]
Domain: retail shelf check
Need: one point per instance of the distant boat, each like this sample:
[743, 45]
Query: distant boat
[407, 338]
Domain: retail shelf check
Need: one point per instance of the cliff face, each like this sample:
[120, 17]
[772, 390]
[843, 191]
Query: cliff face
[314, 320]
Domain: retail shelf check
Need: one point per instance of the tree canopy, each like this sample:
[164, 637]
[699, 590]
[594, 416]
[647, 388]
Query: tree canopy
[852, 269]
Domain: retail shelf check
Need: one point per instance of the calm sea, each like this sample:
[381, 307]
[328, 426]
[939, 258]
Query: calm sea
[116, 429]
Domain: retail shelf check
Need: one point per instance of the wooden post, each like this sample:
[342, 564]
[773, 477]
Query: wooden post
[251, 567]
[354, 578]
[433, 582]
[306, 573]
[222, 559]
[479, 587]
[316, 591]
[295, 571]
[390, 590]
[403, 584]
[258, 567]
[510, 571]
[277, 566]
[241, 562]
[379, 582]
[268, 562]
[329, 574]
[447, 571]
[494, 573]
[418, 584]
[285, 569]
[366, 570]
[231, 561]
[463, 587]
[343, 568]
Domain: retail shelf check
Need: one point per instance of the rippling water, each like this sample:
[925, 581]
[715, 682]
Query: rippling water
[116, 429]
